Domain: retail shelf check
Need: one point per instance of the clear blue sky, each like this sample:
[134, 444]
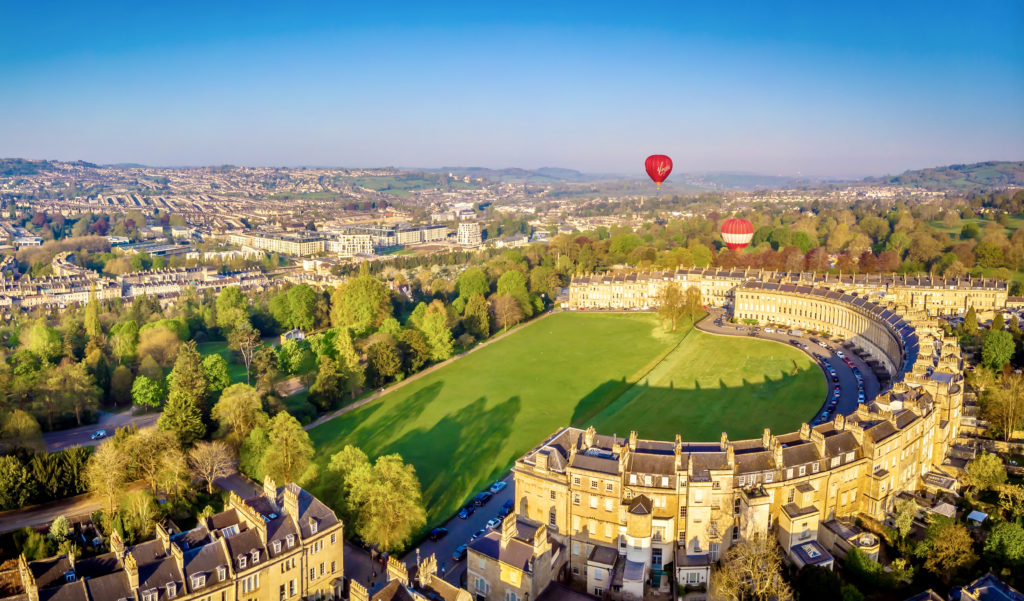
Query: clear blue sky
[851, 89]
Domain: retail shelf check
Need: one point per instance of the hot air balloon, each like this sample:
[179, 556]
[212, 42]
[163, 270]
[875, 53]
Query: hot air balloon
[737, 233]
[658, 167]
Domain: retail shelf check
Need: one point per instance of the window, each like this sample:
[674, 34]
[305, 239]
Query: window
[290, 540]
[632, 478]
[276, 546]
[322, 568]
[593, 502]
[803, 470]
[835, 462]
[607, 530]
[608, 504]
[293, 587]
[575, 498]
[552, 517]
[698, 496]
[481, 585]
[576, 480]
[552, 494]
[609, 487]
[814, 467]
[598, 591]
[682, 512]
[281, 593]
[312, 573]
[241, 562]
[792, 495]
[789, 473]
[255, 556]
[511, 596]
[647, 480]
[664, 481]
[198, 580]
[334, 538]
[69, 576]
[149, 595]
[593, 484]
[769, 476]
[334, 567]
[222, 572]
[742, 480]
[598, 573]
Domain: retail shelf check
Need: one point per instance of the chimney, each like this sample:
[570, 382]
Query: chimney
[766, 438]
[179, 558]
[723, 442]
[589, 437]
[397, 571]
[632, 440]
[508, 529]
[357, 592]
[540, 460]
[730, 456]
[805, 431]
[270, 491]
[28, 581]
[540, 540]
[164, 536]
[291, 500]
[819, 442]
[131, 569]
[426, 570]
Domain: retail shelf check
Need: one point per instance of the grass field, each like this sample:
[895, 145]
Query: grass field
[465, 424]
[1013, 225]
[714, 383]
[235, 368]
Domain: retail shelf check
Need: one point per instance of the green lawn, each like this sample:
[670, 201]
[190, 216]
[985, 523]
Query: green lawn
[711, 384]
[1014, 224]
[466, 423]
[235, 368]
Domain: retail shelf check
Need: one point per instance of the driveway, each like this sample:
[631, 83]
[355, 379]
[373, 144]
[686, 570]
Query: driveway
[81, 506]
[847, 381]
[82, 436]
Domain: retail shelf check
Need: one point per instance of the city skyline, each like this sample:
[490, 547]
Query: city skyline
[793, 90]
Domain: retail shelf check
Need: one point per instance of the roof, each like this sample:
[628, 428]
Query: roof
[559, 592]
[634, 571]
[516, 553]
[603, 555]
[640, 505]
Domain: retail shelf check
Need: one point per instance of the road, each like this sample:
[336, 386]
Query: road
[847, 381]
[81, 506]
[82, 436]
[459, 531]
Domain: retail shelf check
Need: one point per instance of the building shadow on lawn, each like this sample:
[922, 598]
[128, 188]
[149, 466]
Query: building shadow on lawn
[698, 413]
[460, 454]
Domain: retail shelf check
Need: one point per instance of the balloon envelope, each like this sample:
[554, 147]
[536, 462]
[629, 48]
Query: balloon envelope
[658, 167]
[737, 233]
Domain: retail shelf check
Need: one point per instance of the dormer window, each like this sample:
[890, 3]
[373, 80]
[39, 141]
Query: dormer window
[312, 525]
[290, 540]
[222, 573]
[198, 581]
[255, 556]
[241, 561]
[172, 590]
[149, 595]
[69, 576]
[276, 546]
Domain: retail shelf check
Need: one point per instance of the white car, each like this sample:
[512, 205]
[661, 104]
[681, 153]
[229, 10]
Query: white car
[498, 486]
[769, 331]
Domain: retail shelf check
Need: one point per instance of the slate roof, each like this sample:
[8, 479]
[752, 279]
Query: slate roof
[516, 553]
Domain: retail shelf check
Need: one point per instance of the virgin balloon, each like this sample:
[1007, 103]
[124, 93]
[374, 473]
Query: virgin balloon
[658, 167]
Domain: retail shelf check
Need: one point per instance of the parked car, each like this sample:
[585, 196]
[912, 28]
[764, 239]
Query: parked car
[498, 486]
[460, 553]
[769, 330]
[98, 434]
[506, 508]
[477, 534]
[437, 534]
[839, 354]
[467, 511]
[822, 344]
[493, 523]
[482, 498]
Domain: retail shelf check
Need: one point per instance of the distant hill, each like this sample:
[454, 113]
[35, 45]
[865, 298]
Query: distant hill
[515, 175]
[990, 174]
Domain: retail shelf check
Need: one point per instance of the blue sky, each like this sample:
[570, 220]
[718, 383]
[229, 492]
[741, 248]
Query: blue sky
[857, 89]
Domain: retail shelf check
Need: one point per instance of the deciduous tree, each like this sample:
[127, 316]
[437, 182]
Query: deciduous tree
[238, 412]
[751, 569]
[107, 473]
[947, 549]
[216, 370]
[290, 452]
[245, 341]
[212, 460]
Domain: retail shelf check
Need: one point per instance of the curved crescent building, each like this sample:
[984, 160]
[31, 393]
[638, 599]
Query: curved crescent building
[622, 512]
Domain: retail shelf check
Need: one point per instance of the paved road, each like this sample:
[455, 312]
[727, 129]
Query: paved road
[81, 506]
[847, 381]
[82, 436]
[459, 531]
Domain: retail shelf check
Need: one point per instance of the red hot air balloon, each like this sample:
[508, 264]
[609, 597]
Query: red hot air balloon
[658, 167]
[737, 233]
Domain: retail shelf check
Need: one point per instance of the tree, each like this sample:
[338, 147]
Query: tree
[71, 386]
[211, 460]
[473, 281]
[328, 391]
[16, 485]
[998, 322]
[151, 369]
[147, 393]
[146, 451]
[121, 382]
[506, 311]
[971, 322]
[383, 362]
[1011, 501]
[19, 430]
[107, 473]
[361, 303]
[60, 532]
[159, 342]
[239, 411]
[947, 548]
[671, 304]
[476, 317]
[513, 283]
[815, 582]
[302, 306]
[385, 499]
[415, 349]
[186, 396]
[290, 452]
[232, 309]
[93, 328]
[906, 511]
[245, 341]
[751, 569]
[1003, 406]
[439, 337]
[1005, 544]
[216, 370]
[985, 472]
[997, 348]
[44, 341]
[264, 362]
